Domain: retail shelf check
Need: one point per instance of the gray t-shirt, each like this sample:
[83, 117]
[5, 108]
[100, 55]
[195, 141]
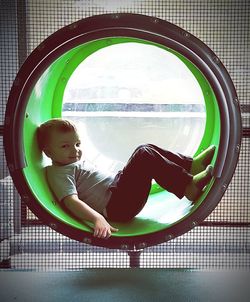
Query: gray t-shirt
[81, 178]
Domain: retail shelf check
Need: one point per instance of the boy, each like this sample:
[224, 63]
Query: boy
[94, 196]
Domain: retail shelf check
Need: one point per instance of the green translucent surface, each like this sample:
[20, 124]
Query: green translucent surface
[45, 102]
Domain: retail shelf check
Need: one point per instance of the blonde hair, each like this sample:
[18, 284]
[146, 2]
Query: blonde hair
[58, 124]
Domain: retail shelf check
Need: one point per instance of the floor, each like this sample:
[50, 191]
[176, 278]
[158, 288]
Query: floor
[48, 267]
[125, 285]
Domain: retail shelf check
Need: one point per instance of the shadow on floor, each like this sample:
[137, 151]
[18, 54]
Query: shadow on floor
[124, 285]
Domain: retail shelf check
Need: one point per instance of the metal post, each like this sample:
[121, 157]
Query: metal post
[134, 258]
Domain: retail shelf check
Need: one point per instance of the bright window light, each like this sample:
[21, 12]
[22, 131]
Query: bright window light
[131, 93]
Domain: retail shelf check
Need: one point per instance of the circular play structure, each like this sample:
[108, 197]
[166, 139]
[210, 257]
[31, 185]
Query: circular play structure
[37, 95]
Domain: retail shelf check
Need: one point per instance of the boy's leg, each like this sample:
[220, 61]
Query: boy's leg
[130, 190]
[198, 167]
[192, 165]
[133, 183]
[167, 168]
[177, 158]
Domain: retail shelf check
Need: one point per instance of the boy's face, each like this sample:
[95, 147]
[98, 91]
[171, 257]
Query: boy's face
[64, 147]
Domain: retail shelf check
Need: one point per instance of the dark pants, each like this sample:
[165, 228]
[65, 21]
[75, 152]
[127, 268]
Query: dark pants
[131, 186]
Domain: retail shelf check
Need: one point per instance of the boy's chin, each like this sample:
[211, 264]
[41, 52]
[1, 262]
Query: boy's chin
[74, 160]
[66, 162]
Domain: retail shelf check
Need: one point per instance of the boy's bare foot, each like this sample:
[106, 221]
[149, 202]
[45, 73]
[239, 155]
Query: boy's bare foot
[202, 160]
[194, 188]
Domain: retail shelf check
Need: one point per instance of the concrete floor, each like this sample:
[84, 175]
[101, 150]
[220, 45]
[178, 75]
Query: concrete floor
[125, 285]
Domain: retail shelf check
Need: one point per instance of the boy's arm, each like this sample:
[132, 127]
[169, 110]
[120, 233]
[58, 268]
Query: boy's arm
[102, 229]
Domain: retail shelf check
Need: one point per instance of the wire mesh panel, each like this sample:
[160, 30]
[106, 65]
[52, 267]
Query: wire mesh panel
[222, 241]
[235, 206]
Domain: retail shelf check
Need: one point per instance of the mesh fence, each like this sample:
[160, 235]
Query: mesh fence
[224, 27]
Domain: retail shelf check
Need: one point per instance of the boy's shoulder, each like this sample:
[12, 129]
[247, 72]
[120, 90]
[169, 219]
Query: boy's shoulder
[61, 169]
[79, 165]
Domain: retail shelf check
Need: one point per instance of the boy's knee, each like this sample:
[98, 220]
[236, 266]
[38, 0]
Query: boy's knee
[144, 152]
[143, 147]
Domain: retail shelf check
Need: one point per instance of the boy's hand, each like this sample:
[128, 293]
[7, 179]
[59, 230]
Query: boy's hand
[102, 229]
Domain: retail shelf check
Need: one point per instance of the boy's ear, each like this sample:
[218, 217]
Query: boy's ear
[46, 150]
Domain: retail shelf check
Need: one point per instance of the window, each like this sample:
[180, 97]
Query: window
[132, 93]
